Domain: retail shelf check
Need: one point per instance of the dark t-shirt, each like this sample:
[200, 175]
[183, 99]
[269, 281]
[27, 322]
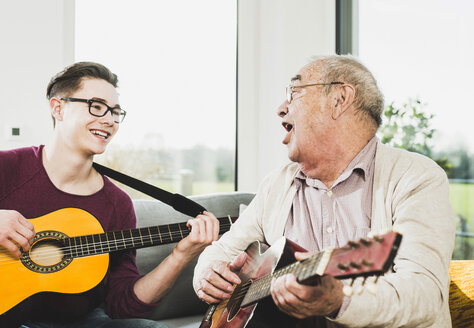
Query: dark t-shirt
[26, 188]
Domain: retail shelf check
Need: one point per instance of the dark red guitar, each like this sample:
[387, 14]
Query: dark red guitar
[367, 257]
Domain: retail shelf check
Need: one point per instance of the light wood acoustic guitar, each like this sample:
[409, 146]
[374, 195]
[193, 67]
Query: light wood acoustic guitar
[367, 257]
[69, 254]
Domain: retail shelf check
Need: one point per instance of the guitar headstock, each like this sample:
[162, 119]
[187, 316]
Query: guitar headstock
[366, 257]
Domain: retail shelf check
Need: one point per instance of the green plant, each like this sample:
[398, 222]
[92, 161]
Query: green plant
[409, 127]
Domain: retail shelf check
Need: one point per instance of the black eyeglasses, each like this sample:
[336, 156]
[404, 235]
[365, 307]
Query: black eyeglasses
[99, 108]
[289, 89]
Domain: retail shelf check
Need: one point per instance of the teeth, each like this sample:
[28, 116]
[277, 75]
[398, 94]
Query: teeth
[100, 133]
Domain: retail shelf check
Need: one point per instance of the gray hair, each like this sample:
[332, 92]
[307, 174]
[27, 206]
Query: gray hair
[345, 68]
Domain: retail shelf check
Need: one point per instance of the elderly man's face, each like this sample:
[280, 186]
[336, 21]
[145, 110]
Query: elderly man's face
[307, 120]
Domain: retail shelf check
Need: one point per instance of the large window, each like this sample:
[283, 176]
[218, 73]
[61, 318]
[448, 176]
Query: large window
[176, 62]
[420, 52]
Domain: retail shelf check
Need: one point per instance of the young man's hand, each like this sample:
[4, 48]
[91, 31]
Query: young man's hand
[204, 230]
[15, 232]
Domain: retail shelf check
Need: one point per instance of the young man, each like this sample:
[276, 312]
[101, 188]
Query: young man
[342, 184]
[38, 180]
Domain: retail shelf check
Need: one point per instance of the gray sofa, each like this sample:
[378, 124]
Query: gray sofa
[180, 307]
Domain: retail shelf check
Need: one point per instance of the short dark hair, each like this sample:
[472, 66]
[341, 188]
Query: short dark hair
[69, 80]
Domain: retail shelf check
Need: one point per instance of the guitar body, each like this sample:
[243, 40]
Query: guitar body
[365, 258]
[48, 271]
[261, 261]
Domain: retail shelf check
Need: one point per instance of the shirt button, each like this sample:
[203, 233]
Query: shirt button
[329, 193]
[330, 230]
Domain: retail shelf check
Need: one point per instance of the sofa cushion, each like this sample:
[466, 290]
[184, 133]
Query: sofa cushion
[181, 300]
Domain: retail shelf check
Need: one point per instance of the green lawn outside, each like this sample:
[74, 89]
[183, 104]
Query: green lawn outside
[462, 199]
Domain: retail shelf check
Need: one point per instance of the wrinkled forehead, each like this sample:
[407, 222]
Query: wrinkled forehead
[309, 73]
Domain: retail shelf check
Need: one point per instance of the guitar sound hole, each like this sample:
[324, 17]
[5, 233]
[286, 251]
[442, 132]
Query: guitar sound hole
[47, 252]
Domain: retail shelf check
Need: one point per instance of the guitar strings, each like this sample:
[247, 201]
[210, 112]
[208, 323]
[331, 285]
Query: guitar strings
[262, 284]
[91, 247]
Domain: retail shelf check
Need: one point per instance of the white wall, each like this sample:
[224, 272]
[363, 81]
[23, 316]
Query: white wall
[276, 38]
[37, 41]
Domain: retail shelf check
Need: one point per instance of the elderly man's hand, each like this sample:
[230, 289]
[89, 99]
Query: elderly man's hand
[217, 282]
[302, 301]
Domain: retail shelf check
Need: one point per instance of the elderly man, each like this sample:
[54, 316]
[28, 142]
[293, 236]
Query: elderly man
[343, 184]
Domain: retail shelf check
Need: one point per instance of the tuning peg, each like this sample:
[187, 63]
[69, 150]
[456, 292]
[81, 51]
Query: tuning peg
[366, 242]
[367, 263]
[372, 287]
[360, 288]
[343, 267]
[355, 265]
[347, 289]
[378, 239]
[353, 244]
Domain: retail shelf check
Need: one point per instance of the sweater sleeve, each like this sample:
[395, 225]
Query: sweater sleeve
[416, 292]
[120, 298]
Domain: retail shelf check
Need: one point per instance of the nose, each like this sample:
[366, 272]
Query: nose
[108, 118]
[283, 109]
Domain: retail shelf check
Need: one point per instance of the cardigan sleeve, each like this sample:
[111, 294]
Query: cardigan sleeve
[416, 201]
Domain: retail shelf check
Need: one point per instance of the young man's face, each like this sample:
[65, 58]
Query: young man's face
[78, 128]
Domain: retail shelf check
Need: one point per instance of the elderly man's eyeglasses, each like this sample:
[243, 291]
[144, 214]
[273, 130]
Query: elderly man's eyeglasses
[100, 109]
[289, 89]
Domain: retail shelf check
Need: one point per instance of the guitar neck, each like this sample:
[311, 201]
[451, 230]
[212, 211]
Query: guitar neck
[112, 241]
[260, 288]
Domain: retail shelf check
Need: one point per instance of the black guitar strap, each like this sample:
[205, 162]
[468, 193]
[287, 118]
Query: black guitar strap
[179, 202]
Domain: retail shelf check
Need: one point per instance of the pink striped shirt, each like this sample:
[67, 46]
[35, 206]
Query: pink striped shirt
[324, 218]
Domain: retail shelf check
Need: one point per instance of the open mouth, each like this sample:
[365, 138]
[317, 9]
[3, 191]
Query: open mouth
[288, 127]
[102, 134]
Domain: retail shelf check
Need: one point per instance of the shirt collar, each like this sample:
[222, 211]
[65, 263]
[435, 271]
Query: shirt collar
[360, 164]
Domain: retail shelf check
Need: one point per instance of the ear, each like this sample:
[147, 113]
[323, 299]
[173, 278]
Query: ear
[343, 99]
[56, 108]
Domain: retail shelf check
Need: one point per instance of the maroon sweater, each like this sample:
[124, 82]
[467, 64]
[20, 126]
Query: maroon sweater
[26, 188]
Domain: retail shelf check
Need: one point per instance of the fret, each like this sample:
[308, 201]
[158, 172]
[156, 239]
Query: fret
[123, 239]
[169, 231]
[69, 254]
[145, 232]
[141, 237]
[185, 230]
[82, 245]
[135, 236]
[180, 231]
[93, 244]
[75, 247]
[89, 243]
[159, 234]
[117, 236]
[107, 241]
[127, 235]
[155, 234]
[115, 240]
[101, 243]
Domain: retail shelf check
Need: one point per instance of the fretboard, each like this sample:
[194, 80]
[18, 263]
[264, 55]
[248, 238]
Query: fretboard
[260, 288]
[112, 241]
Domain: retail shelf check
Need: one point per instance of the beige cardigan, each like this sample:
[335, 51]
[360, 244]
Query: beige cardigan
[410, 195]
